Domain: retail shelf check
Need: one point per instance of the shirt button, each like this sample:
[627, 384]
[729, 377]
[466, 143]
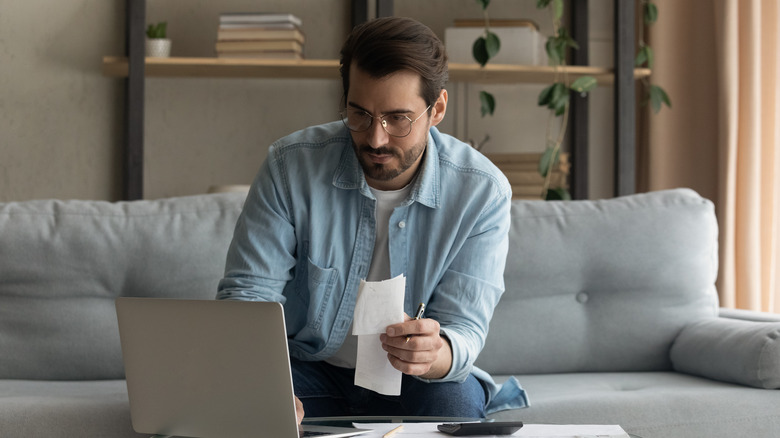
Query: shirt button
[402, 224]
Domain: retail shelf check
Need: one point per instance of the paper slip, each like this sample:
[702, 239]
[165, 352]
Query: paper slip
[379, 304]
[572, 430]
[422, 430]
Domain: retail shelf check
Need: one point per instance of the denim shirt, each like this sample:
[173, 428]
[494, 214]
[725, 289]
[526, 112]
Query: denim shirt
[306, 235]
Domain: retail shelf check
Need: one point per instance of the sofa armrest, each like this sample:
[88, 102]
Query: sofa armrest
[749, 315]
[730, 350]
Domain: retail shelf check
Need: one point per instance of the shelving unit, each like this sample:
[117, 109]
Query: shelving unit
[135, 68]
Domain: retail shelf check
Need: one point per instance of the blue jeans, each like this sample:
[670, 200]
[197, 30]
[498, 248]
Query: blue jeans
[329, 391]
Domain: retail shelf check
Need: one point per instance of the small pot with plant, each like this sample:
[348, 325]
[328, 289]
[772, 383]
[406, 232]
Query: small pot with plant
[157, 43]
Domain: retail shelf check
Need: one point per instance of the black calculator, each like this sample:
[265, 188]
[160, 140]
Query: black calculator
[476, 429]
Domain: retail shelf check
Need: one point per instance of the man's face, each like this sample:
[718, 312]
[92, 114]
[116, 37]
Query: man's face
[388, 162]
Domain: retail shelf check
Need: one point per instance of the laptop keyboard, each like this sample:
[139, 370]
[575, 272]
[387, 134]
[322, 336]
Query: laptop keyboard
[308, 433]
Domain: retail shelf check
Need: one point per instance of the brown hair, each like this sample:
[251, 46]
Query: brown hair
[383, 46]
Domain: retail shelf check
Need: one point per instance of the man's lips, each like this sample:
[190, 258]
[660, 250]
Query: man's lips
[378, 156]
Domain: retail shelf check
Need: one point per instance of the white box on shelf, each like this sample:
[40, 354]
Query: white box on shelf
[519, 44]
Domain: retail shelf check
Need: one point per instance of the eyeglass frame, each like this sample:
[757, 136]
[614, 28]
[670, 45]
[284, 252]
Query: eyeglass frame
[343, 116]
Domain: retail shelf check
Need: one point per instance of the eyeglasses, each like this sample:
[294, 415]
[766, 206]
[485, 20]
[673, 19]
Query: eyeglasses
[397, 125]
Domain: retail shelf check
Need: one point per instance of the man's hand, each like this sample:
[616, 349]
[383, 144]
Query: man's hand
[426, 354]
[298, 410]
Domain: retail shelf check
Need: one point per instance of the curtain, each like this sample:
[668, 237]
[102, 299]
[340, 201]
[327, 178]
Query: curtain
[718, 60]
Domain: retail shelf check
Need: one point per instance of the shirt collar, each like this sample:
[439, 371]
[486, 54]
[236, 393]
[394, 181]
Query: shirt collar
[426, 190]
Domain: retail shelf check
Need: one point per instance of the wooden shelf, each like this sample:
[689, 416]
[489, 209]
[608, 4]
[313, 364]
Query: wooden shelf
[508, 74]
[227, 68]
[329, 69]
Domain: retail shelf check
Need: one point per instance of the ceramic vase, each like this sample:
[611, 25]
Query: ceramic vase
[158, 47]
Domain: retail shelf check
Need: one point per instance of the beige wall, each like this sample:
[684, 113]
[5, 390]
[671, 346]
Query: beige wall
[61, 120]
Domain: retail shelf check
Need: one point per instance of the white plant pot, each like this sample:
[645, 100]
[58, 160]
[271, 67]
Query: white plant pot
[158, 47]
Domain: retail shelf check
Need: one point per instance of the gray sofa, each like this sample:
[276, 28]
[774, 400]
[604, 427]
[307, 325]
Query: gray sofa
[610, 314]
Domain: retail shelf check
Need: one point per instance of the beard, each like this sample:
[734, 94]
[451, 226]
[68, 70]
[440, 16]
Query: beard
[401, 162]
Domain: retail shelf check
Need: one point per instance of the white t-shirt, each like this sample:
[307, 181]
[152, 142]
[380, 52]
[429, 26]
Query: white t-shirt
[386, 202]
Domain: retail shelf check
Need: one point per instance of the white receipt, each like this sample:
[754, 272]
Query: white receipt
[379, 304]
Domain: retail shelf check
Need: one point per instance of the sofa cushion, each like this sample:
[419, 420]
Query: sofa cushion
[603, 285]
[650, 404]
[64, 263]
[730, 350]
[65, 409]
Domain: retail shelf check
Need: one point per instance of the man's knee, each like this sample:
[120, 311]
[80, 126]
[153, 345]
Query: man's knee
[445, 399]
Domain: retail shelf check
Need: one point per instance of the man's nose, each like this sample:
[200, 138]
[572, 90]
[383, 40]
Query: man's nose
[377, 136]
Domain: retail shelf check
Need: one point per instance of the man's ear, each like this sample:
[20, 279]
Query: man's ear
[439, 108]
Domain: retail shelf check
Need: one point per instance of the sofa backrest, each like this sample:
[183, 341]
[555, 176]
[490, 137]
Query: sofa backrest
[62, 264]
[603, 285]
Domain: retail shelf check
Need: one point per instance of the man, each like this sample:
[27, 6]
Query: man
[379, 194]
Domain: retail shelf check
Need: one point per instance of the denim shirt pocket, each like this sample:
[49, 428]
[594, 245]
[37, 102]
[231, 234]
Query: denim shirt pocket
[320, 283]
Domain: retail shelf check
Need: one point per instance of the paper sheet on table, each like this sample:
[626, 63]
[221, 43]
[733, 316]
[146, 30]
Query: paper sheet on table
[379, 304]
[572, 430]
[529, 430]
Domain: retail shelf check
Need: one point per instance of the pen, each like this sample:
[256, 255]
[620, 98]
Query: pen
[393, 432]
[418, 315]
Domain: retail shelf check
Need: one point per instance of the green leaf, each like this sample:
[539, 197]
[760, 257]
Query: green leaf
[541, 4]
[558, 9]
[559, 98]
[550, 154]
[560, 104]
[556, 46]
[641, 57]
[157, 30]
[650, 13]
[566, 39]
[484, 3]
[584, 84]
[488, 103]
[559, 89]
[558, 194]
[492, 44]
[644, 56]
[658, 97]
[648, 55]
[665, 96]
[555, 97]
[555, 51]
[545, 97]
[480, 52]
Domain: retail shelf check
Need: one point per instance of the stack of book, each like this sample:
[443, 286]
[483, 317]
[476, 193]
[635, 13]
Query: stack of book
[522, 171]
[259, 35]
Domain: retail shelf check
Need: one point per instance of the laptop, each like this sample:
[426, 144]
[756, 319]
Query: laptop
[207, 368]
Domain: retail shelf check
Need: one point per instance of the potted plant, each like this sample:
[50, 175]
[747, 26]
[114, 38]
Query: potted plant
[157, 43]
